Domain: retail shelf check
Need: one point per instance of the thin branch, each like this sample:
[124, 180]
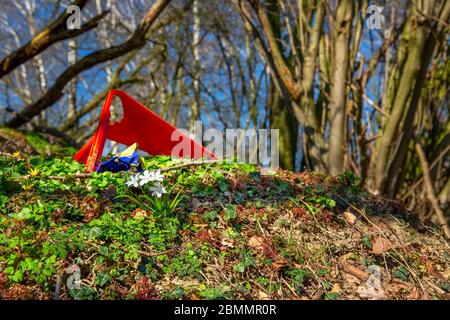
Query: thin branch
[136, 41]
[430, 192]
[280, 62]
[433, 164]
[54, 32]
[87, 175]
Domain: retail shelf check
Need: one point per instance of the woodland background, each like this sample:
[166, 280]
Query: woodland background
[345, 98]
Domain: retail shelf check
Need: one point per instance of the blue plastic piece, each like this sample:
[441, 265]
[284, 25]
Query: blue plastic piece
[121, 163]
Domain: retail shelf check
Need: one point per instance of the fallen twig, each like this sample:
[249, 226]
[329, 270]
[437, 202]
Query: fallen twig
[430, 192]
[10, 155]
[360, 274]
[63, 178]
[57, 293]
[154, 254]
[87, 175]
[290, 288]
[404, 262]
[189, 164]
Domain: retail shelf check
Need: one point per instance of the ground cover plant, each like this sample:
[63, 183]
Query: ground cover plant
[211, 231]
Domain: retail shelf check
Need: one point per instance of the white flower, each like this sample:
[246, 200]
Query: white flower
[146, 177]
[149, 176]
[158, 176]
[158, 190]
[134, 181]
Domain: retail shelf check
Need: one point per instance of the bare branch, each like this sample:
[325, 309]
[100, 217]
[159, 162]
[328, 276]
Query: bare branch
[136, 41]
[56, 31]
[430, 192]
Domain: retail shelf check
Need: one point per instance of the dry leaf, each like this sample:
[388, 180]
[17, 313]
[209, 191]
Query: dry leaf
[195, 219]
[415, 294]
[278, 264]
[255, 242]
[397, 286]
[110, 193]
[347, 256]
[380, 245]
[336, 288]
[349, 217]
[194, 296]
[226, 242]
[90, 207]
[200, 225]
[3, 279]
[300, 213]
[269, 250]
[262, 295]
[203, 235]
[430, 267]
[140, 213]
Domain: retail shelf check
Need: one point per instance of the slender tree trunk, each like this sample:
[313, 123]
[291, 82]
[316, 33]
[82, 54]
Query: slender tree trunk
[281, 118]
[314, 145]
[280, 103]
[444, 195]
[416, 49]
[195, 111]
[338, 114]
[72, 96]
[39, 63]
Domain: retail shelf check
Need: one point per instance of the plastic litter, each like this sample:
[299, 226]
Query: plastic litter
[139, 125]
[124, 161]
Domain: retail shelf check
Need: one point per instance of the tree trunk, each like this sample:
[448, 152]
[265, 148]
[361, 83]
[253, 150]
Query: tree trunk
[338, 114]
[195, 111]
[72, 97]
[416, 49]
[281, 118]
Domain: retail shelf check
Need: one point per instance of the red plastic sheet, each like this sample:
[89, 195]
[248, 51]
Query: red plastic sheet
[139, 124]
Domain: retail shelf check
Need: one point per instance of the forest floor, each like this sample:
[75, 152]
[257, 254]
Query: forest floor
[236, 234]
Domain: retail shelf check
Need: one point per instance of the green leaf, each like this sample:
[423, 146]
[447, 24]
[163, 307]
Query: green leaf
[84, 293]
[210, 216]
[102, 279]
[36, 161]
[229, 213]
[9, 270]
[24, 214]
[330, 203]
[247, 261]
[283, 187]
[223, 185]
[401, 273]
[331, 296]
[17, 276]
[298, 276]
[239, 267]
[367, 242]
